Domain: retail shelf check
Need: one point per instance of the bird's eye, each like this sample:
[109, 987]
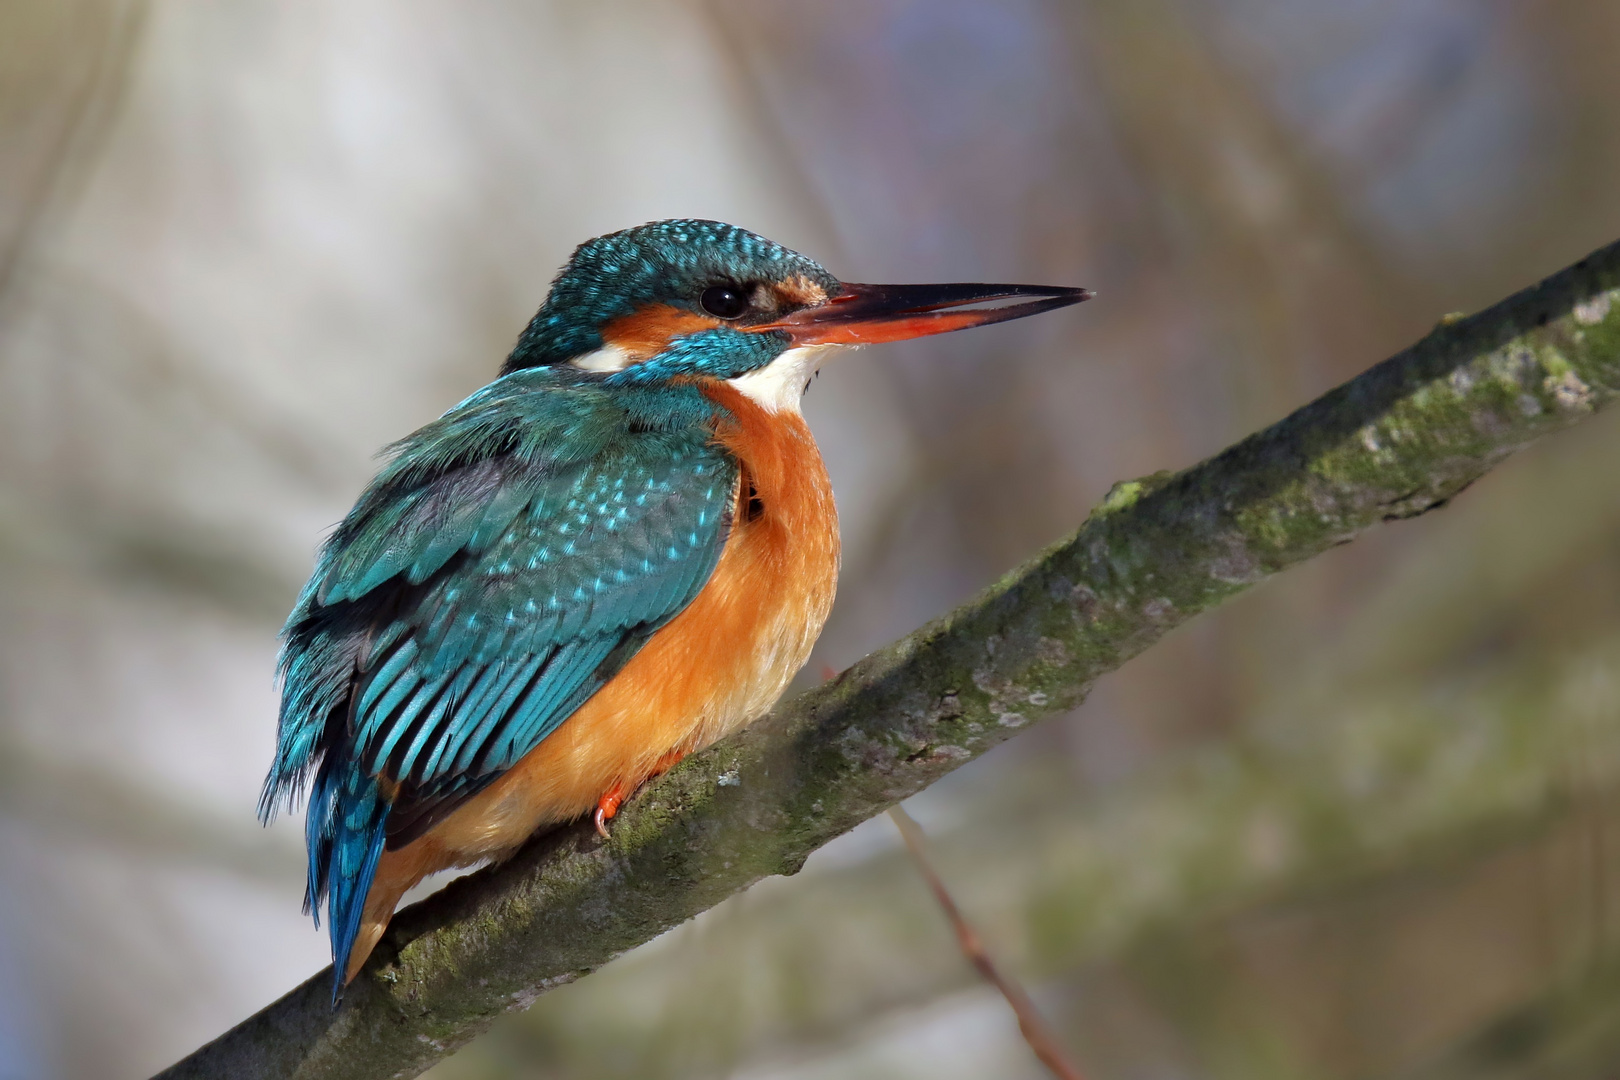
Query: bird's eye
[724, 301]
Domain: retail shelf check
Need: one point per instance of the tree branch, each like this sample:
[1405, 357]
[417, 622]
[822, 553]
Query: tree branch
[1397, 441]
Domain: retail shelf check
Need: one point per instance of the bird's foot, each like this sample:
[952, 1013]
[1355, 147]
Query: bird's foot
[609, 804]
[606, 807]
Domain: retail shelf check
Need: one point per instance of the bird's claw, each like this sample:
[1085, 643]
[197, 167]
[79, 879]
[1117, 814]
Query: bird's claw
[606, 807]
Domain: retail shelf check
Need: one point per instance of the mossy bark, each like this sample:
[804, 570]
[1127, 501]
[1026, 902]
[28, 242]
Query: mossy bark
[1397, 441]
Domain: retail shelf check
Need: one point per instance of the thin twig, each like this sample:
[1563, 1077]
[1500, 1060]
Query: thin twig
[1034, 1028]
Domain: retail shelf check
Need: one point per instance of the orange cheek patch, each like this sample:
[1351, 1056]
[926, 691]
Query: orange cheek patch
[646, 333]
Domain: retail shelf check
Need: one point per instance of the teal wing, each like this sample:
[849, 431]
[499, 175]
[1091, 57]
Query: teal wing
[465, 609]
[555, 584]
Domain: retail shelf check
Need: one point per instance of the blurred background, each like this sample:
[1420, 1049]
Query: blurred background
[1358, 824]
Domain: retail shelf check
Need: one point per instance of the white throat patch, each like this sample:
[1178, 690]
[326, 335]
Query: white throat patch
[778, 386]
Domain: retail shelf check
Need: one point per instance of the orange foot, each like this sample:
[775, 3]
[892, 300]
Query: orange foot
[609, 804]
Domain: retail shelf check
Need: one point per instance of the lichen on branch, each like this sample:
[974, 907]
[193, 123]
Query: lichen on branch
[1398, 440]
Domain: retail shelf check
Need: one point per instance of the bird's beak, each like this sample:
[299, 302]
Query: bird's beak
[865, 314]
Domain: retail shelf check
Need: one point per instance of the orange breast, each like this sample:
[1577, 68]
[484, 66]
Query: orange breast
[719, 664]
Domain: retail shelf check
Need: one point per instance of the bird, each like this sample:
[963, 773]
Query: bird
[616, 553]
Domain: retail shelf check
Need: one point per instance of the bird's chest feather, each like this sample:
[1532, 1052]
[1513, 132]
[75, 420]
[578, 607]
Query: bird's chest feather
[775, 582]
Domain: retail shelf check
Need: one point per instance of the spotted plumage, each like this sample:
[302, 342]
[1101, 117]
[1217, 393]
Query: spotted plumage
[617, 552]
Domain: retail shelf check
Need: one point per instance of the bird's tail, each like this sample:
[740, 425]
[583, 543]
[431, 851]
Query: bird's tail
[346, 829]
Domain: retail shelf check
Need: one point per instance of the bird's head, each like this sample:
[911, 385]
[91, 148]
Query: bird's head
[684, 299]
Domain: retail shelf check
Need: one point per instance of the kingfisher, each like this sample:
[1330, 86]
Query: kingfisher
[619, 551]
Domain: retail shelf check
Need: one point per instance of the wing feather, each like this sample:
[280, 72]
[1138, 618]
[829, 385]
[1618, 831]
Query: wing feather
[508, 561]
